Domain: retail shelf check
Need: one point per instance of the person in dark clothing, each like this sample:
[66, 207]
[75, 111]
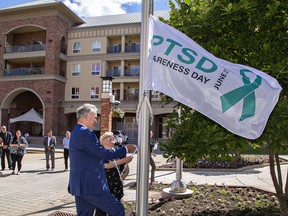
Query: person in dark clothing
[7, 139]
[1, 145]
[18, 149]
[152, 162]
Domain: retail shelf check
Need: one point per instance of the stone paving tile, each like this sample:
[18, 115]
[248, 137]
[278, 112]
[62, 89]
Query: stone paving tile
[35, 191]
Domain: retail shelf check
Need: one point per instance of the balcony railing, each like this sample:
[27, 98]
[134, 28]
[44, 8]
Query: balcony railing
[114, 49]
[132, 72]
[131, 96]
[24, 71]
[113, 73]
[25, 48]
[132, 48]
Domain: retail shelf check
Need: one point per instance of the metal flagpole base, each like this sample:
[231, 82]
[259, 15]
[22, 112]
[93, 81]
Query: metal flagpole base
[178, 186]
[178, 190]
[168, 193]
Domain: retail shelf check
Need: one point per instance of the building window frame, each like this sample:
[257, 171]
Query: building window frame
[75, 93]
[95, 92]
[95, 69]
[76, 69]
[77, 47]
[96, 46]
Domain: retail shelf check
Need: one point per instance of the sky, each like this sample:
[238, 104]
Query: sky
[91, 8]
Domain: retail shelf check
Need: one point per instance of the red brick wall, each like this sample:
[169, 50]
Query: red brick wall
[27, 38]
[106, 115]
[50, 91]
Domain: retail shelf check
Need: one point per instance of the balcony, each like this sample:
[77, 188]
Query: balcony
[132, 48]
[24, 71]
[132, 72]
[113, 73]
[114, 49]
[25, 48]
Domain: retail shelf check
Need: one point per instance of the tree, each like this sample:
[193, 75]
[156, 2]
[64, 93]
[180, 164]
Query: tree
[249, 32]
[191, 142]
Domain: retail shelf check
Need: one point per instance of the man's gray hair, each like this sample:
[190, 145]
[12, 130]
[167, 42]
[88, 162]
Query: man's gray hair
[85, 109]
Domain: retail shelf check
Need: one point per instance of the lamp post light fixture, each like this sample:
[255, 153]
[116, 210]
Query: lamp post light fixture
[106, 115]
[107, 84]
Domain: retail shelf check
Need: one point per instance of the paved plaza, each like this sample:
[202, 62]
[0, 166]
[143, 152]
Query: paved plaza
[37, 192]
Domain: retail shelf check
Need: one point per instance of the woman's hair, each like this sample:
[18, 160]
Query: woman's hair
[15, 137]
[105, 135]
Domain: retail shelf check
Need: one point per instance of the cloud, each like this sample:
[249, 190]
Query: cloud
[91, 8]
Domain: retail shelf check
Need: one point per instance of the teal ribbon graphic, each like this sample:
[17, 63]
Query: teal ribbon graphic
[246, 93]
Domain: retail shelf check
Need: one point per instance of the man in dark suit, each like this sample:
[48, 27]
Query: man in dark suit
[87, 180]
[7, 139]
[49, 144]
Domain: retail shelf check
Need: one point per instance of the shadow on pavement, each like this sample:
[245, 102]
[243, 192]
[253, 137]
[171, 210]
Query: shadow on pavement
[55, 208]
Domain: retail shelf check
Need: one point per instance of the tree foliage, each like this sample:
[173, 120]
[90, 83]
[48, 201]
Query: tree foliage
[248, 32]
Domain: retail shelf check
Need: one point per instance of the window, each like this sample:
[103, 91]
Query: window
[96, 46]
[95, 92]
[76, 47]
[75, 93]
[95, 69]
[116, 71]
[76, 70]
[135, 69]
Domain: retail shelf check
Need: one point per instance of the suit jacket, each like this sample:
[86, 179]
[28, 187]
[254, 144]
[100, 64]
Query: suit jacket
[51, 144]
[7, 138]
[87, 156]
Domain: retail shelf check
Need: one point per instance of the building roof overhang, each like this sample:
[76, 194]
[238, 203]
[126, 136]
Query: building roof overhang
[42, 5]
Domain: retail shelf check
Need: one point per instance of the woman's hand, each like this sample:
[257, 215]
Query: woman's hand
[127, 159]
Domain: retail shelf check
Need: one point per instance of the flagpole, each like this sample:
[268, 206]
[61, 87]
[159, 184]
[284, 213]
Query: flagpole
[143, 158]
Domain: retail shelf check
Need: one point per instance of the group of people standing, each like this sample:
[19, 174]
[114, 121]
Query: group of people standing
[13, 149]
[97, 169]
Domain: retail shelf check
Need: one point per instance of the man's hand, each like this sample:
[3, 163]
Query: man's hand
[130, 148]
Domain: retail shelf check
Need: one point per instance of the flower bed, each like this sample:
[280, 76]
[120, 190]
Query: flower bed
[245, 160]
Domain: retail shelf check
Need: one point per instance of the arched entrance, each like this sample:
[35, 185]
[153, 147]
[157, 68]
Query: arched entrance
[17, 103]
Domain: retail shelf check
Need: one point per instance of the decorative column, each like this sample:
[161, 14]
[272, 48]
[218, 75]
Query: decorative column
[106, 114]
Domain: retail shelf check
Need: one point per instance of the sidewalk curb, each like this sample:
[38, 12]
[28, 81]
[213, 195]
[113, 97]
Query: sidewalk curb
[238, 170]
[39, 150]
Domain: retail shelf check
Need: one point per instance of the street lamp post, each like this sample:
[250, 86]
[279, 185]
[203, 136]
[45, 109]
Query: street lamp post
[106, 115]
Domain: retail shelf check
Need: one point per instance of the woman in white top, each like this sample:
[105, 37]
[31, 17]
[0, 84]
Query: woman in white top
[66, 141]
